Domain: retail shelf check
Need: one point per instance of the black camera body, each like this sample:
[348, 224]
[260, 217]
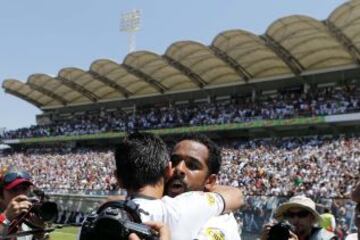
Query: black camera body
[280, 231]
[47, 211]
[116, 220]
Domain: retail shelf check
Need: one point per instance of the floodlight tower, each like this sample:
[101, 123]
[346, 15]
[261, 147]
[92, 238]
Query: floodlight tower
[130, 23]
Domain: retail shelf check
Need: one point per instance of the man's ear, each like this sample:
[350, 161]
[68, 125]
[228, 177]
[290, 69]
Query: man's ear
[169, 171]
[210, 182]
[121, 185]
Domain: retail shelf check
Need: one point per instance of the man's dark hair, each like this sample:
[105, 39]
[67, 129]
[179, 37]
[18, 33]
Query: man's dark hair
[214, 161]
[141, 159]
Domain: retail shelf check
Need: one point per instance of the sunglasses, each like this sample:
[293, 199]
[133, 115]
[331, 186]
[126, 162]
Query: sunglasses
[300, 214]
[11, 176]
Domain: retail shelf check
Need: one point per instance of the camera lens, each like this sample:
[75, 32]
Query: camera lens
[280, 231]
[48, 211]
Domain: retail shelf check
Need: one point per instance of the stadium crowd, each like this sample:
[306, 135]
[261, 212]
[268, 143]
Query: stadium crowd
[320, 167]
[288, 104]
[66, 170]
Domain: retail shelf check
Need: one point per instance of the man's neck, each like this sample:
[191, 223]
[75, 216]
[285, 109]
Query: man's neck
[154, 191]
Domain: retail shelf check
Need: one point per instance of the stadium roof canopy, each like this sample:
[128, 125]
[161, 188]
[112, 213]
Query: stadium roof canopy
[291, 46]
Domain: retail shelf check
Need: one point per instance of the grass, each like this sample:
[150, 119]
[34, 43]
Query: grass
[67, 233]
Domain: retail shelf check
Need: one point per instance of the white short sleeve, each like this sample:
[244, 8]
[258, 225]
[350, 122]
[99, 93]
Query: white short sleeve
[189, 211]
[184, 214]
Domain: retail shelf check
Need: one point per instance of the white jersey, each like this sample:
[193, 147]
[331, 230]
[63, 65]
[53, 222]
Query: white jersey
[223, 227]
[352, 236]
[185, 214]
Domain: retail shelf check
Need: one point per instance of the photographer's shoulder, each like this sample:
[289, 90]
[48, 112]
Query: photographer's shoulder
[323, 234]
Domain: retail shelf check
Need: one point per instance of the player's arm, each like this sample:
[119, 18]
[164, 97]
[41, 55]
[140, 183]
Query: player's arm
[232, 196]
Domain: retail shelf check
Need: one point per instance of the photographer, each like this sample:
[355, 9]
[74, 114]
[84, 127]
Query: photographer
[302, 217]
[15, 187]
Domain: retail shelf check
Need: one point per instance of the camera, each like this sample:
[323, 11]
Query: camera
[116, 220]
[46, 210]
[43, 209]
[280, 231]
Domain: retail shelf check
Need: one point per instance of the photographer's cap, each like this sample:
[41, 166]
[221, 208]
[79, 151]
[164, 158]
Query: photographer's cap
[13, 179]
[298, 202]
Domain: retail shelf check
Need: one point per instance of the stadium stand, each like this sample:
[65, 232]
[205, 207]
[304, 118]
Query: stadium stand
[284, 105]
[320, 167]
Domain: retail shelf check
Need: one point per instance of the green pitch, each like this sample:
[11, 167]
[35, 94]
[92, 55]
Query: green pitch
[68, 233]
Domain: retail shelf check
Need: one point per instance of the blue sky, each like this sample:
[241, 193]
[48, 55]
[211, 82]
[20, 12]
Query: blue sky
[42, 36]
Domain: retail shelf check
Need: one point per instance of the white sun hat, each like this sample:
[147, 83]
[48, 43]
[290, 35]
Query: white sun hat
[298, 202]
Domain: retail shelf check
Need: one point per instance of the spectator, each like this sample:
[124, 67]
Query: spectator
[301, 213]
[328, 220]
[355, 236]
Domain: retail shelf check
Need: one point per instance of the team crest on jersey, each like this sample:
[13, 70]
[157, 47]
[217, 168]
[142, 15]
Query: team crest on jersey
[210, 199]
[214, 234]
